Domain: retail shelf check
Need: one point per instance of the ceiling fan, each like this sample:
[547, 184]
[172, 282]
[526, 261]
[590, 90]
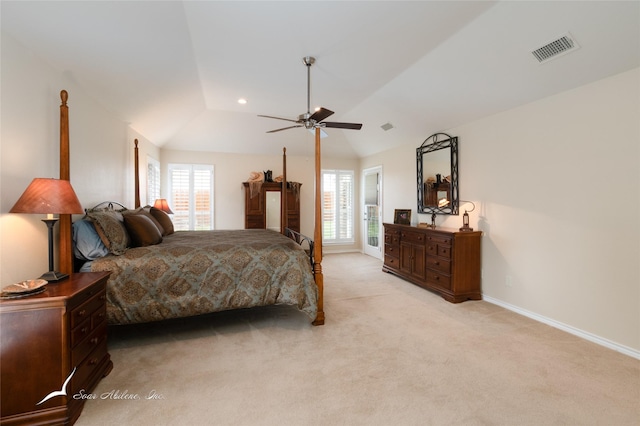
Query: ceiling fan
[315, 120]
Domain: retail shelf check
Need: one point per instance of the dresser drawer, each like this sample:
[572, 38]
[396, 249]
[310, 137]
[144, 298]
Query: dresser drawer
[392, 250]
[439, 264]
[438, 279]
[413, 237]
[391, 239]
[438, 249]
[438, 239]
[391, 261]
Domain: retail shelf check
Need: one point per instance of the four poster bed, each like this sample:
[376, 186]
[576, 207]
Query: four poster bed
[158, 274]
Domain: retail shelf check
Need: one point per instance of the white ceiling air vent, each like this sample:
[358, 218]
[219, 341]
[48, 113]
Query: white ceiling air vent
[558, 47]
[387, 126]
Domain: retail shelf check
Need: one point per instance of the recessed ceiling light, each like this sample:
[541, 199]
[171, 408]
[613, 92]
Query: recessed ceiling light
[242, 101]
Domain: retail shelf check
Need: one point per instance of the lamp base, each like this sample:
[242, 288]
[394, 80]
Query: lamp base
[466, 228]
[53, 276]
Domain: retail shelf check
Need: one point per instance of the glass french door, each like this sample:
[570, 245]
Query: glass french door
[372, 211]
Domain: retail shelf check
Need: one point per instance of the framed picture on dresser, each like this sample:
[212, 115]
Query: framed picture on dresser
[402, 217]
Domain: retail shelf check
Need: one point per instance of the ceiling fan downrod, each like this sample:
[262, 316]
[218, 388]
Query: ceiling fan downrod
[308, 61]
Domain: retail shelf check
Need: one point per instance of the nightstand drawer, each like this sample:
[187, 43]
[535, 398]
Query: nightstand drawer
[79, 333]
[84, 348]
[86, 310]
[88, 367]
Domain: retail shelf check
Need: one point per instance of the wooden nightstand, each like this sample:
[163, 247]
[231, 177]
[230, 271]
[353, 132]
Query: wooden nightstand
[42, 339]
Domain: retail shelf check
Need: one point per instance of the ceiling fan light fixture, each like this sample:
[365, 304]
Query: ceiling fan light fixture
[242, 101]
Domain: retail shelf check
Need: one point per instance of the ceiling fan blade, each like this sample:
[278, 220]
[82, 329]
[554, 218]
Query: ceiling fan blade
[284, 128]
[320, 114]
[352, 126]
[278, 118]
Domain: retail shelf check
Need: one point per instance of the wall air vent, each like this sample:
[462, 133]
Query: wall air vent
[386, 126]
[561, 46]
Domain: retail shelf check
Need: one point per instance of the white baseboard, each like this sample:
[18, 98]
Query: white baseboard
[564, 327]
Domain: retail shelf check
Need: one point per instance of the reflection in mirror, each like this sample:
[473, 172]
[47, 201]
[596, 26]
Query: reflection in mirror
[437, 167]
[273, 210]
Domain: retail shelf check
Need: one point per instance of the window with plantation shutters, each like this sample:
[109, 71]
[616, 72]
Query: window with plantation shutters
[337, 206]
[191, 196]
[153, 180]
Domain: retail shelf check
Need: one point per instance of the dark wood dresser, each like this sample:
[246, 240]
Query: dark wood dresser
[442, 260]
[43, 338]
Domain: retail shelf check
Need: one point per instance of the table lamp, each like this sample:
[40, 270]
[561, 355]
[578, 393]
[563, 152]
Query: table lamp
[465, 217]
[161, 204]
[49, 196]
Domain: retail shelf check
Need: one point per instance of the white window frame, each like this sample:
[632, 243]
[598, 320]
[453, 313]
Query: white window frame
[191, 168]
[349, 239]
[153, 180]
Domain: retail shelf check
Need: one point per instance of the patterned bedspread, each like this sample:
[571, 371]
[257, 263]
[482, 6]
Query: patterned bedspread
[198, 272]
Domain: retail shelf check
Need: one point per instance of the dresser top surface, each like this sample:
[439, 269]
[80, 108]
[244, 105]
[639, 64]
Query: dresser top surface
[441, 230]
[59, 291]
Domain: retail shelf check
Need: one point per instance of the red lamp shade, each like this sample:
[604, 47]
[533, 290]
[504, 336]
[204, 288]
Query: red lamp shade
[161, 204]
[48, 196]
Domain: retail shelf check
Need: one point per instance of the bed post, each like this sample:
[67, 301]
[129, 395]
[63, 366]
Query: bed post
[317, 236]
[284, 223]
[64, 239]
[136, 172]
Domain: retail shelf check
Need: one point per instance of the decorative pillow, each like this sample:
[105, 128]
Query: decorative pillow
[145, 212]
[111, 229]
[142, 230]
[164, 220]
[87, 244]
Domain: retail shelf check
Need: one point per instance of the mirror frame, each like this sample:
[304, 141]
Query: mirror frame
[431, 144]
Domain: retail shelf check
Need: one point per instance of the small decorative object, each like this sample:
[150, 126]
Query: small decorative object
[433, 220]
[465, 217]
[23, 289]
[49, 196]
[402, 217]
[268, 176]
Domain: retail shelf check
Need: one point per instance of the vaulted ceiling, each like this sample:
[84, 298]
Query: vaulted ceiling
[174, 70]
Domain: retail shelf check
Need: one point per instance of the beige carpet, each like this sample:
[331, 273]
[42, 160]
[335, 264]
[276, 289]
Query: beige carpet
[390, 353]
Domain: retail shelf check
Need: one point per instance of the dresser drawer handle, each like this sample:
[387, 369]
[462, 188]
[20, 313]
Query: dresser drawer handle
[84, 330]
[103, 297]
[94, 341]
[82, 313]
[93, 361]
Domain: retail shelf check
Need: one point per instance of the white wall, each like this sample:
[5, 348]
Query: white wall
[556, 185]
[29, 148]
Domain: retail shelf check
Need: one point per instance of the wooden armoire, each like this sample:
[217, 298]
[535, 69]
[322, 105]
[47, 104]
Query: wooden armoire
[255, 210]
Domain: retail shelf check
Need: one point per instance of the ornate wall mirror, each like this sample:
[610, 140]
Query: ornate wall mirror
[437, 166]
